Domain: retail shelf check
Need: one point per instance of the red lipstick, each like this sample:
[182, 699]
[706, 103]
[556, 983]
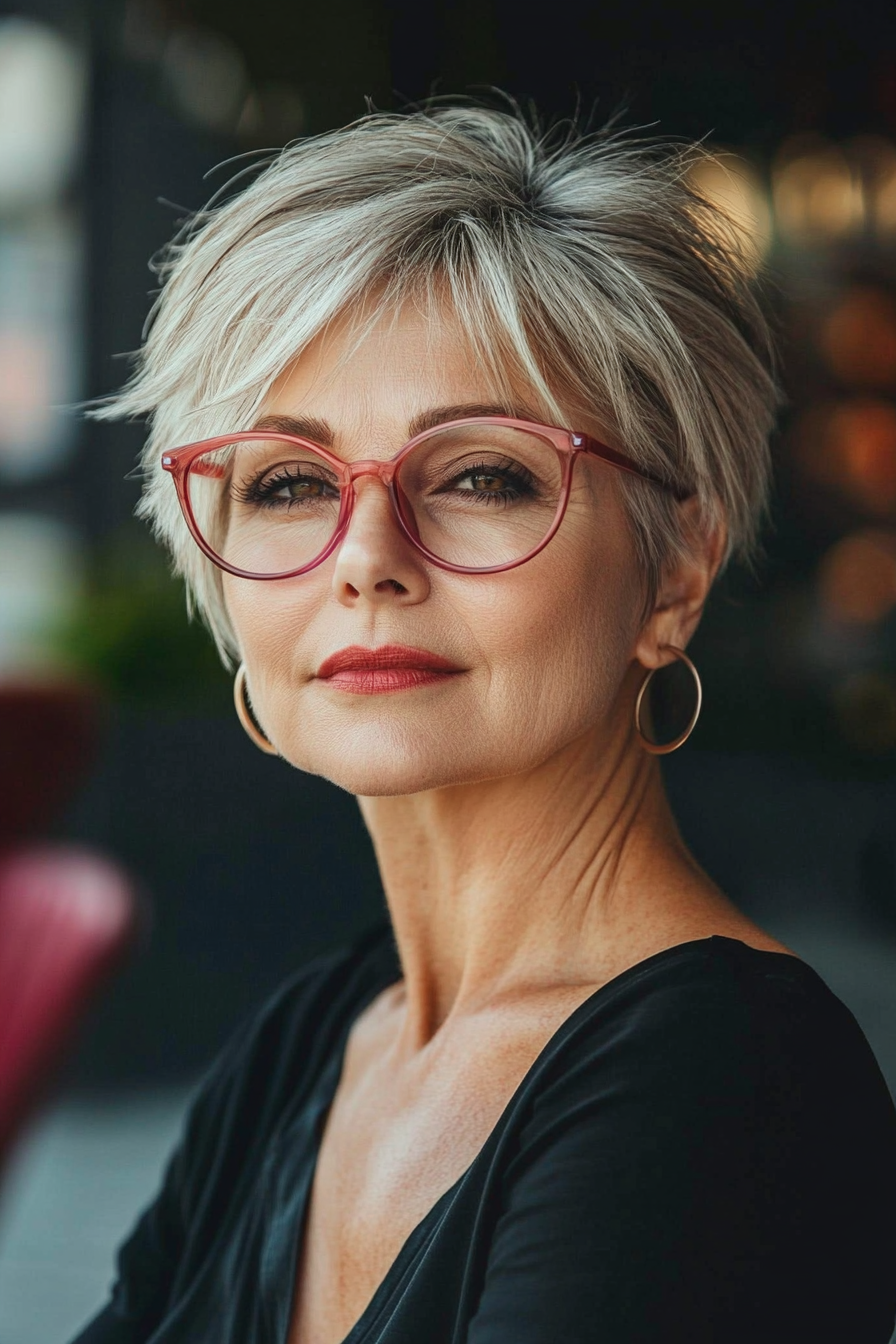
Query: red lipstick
[393, 667]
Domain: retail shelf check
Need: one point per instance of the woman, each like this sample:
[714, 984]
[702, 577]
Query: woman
[462, 424]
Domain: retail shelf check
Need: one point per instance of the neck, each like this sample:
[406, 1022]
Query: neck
[559, 876]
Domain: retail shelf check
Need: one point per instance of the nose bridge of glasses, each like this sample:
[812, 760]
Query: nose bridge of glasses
[383, 504]
[384, 471]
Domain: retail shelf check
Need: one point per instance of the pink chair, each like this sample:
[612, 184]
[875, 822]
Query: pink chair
[66, 917]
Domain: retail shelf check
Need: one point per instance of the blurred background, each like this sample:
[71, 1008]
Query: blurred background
[117, 737]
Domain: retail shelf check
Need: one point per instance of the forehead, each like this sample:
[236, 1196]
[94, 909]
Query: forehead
[388, 369]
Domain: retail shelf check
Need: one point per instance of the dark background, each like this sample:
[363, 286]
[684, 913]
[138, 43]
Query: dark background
[786, 791]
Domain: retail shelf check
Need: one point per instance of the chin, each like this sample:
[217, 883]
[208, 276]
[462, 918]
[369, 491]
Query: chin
[382, 765]
[385, 777]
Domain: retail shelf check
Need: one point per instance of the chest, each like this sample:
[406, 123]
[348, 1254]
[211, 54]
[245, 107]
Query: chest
[395, 1141]
[373, 1185]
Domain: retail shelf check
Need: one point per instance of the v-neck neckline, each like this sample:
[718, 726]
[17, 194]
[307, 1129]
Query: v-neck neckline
[324, 1092]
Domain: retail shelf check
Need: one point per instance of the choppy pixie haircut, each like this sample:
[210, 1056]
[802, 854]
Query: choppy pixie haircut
[582, 266]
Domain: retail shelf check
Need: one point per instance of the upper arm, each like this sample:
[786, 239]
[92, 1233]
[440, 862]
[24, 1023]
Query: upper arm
[222, 1142]
[147, 1261]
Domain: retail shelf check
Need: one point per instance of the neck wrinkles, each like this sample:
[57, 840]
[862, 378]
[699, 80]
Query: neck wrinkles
[521, 885]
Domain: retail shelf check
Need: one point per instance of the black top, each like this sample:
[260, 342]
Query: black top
[704, 1151]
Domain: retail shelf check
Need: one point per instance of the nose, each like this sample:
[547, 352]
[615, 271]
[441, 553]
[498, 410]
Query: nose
[375, 562]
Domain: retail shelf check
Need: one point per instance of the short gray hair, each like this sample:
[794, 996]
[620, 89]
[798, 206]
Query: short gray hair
[584, 264]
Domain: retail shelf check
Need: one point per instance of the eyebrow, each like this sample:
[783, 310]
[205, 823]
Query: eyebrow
[320, 432]
[305, 428]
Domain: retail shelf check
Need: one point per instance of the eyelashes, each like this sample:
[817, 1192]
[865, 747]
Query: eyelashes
[518, 480]
[264, 490]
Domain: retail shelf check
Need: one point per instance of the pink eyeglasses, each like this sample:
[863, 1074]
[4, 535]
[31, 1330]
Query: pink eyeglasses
[475, 496]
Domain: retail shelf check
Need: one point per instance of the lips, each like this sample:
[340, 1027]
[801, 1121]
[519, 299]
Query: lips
[393, 667]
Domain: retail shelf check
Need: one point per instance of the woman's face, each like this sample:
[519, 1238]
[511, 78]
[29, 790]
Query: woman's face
[539, 652]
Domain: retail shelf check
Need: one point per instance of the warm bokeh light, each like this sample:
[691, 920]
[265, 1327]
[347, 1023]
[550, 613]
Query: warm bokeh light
[876, 160]
[818, 194]
[859, 338]
[857, 578]
[850, 447]
[734, 186]
[885, 207]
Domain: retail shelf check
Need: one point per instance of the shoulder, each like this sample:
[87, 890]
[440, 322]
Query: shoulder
[706, 1148]
[714, 997]
[717, 1039]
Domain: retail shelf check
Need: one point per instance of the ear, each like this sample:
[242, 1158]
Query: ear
[683, 589]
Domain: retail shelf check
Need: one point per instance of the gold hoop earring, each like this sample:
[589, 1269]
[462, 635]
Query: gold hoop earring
[244, 714]
[658, 748]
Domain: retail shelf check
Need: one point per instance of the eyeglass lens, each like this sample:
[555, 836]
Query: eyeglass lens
[473, 495]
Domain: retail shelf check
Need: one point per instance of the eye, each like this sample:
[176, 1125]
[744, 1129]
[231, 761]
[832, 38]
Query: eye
[291, 483]
[488, 482]
[505, 481]
[303, 487]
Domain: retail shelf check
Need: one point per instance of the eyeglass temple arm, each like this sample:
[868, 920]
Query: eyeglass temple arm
[616, 459]
[198, 468]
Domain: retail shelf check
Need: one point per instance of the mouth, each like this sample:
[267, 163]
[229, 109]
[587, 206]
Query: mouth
[393, 667]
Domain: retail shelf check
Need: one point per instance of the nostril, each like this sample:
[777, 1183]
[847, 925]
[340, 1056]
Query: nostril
[390, 583]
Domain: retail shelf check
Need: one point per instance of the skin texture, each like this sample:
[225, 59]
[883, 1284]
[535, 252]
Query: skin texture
[526, 847]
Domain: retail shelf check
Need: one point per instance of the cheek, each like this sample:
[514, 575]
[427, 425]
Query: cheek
[268, 619]
[559, 632]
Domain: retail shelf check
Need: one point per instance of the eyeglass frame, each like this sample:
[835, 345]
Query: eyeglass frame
[568, 444]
